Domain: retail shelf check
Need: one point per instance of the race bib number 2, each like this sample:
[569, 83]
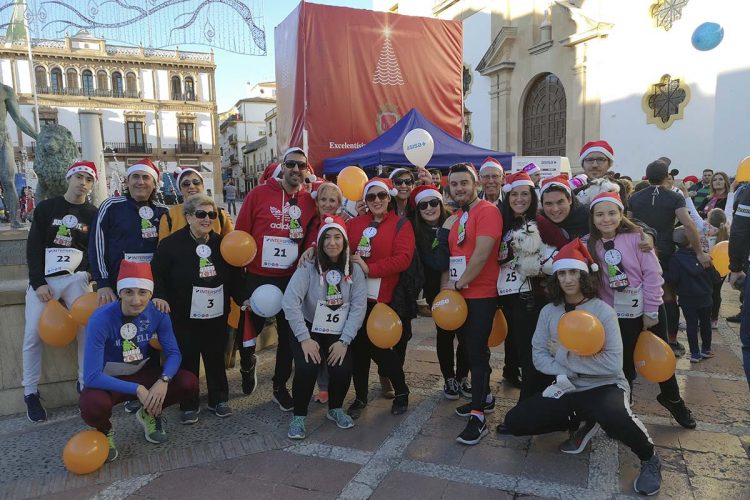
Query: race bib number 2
[629, 302]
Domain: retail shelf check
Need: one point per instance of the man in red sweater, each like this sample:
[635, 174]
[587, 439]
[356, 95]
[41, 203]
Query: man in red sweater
[277, 215]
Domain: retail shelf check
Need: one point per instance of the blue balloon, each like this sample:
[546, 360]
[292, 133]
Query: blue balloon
[707, 36]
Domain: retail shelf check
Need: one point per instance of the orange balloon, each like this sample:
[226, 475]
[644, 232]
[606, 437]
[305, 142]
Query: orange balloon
[449, 310]
[581, 332]
[83, 307]
[384, 326]
[154, 342]
[352, 181]
[56, 325]
[86, 452]
[743, 170]
[720, 257]
[238, 248]
[499, 329]
[653, 358]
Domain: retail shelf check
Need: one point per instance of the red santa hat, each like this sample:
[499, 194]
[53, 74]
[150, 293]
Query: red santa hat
[602, 147]
[386, 184]
[319, 184]
[295, 150]
[690, 178]
[531, 169]
[607, 196]
[421, 192]
[558, 180]
[516, 180]
[491, 162]
[469, 166]
[272, 171]
[145, 165]
[135, 275]
[87, 167]
[574, 255]
[334, 222]
[399, 171]
[179, 173]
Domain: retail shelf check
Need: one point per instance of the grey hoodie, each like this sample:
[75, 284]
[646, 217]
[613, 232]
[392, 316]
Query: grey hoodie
[305, 290]
[584, 372]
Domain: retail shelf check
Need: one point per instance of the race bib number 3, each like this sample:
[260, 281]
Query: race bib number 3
[629, 303]
[207, 303]
[61, 260]
[328, 321]
[510, 281]
[279, 252]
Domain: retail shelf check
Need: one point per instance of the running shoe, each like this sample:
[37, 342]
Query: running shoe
[282, 398]
[221, 410]
[465, 410]
[400, 404]
[113, 453]
[648, 481]
[465, 387]
[476, 429]
[679, 411]
[189, 417]
[296, 428]
[451, 389]
[132, 406]
[153, 427]
[343, 421]
[35, 412]
[578, 439]
[707, 354]
[695, 358]
[355, 409]
[678, 349]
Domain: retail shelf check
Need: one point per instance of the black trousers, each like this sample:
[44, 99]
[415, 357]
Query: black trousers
[512, 364]
[283, 368]
[608, 405]
[630, 330]
[716, 300]
[209, 344]
[446, 354]
[698, 318]
[388, 361]
[473, 336]
[306, 373]
[402, 344]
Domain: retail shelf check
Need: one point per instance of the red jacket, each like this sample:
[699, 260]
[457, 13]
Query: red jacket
[391, 253]
[265, 212]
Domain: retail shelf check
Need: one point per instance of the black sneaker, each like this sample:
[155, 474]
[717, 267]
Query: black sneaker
[400, 404]
[35, 412]
[132, 406]
[678, 349]
[465, 410]
[475, 430]
[578, 439]
[248, 370]
[451, 389]
[282, 398]
[679, 411]
[221, 410]
[648, 481]
[465, 387]
[355, 409]
[737, 318]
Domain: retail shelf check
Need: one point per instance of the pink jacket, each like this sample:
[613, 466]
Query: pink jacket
[642, 268]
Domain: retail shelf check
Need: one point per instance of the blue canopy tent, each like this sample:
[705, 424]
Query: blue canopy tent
[387, 149]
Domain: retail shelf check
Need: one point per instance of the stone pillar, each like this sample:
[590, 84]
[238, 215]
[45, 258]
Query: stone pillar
[92, 149]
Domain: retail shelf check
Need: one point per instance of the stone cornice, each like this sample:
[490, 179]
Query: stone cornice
[62, 57]
[495, 59]
[119, 103]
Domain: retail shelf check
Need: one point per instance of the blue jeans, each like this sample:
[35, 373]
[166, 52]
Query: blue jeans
[745, 331]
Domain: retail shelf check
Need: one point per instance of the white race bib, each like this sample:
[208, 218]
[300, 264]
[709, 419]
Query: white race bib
[373, 288]
[457, 268]
[61, 259]
[629, 302]
[207, 303]
[278, 252]
[329, 321]
[139, 257]
[510, 281]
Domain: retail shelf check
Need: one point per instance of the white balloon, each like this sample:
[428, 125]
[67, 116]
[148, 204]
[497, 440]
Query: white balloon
[418, 147]
[266, 301]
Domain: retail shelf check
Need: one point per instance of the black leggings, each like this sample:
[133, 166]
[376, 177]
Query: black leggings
[717, 300]
[473, 336]
[608, 405]
[195, 344]
[306, 373]
[388, 361]
[446, 353]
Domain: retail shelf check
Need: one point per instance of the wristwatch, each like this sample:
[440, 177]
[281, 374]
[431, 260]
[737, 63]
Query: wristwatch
[165, 378]
[346, 344]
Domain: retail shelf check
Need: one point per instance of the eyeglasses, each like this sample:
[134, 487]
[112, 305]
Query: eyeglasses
[202, 214]
[422, 205]
[490, 177]
[195, 182]
[401, 182]
[302, 165]
[601, 160]
[382, 195]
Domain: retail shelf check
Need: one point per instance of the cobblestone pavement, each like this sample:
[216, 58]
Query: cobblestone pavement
[410, 456]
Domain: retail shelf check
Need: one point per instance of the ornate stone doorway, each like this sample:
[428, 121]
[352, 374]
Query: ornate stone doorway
[544, 118]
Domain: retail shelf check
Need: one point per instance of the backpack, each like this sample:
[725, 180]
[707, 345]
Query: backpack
[410, 283]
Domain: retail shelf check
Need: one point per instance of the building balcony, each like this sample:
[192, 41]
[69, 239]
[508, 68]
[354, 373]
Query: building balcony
[31, 150]
[123, 148]
[70, 91]
[188, 148]
[187, 96]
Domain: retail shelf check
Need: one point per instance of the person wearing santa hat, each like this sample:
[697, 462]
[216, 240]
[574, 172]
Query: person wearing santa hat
[404, 182]
[597, 157]
[592, 388]
[473, 241]
[57, 256]
[632, 285]
[278, 215]
[384, 249]
[125, 228]
[492, 178]
[325, 304]
[534, 172]
[119, 345]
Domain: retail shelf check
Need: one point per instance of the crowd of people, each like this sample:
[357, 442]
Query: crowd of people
[630, 253]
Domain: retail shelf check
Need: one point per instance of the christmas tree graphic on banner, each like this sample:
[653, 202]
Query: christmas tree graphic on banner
[387, 71]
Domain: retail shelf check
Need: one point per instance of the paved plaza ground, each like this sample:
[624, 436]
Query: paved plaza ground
[410, 456]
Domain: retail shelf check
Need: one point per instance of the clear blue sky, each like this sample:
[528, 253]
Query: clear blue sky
[230, 83]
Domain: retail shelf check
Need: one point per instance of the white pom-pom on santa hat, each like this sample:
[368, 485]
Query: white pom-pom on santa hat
[574, 255]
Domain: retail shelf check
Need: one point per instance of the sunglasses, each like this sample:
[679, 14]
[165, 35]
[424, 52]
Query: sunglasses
[422, 205]
[202, 214]
[401, 182]
[294, 163]
[195, 182]
[380, 196]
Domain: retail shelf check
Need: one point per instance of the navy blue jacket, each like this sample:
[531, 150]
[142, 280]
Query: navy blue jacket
[692, 283]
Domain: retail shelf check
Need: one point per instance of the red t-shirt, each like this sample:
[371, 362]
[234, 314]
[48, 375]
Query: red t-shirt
[484, 220]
